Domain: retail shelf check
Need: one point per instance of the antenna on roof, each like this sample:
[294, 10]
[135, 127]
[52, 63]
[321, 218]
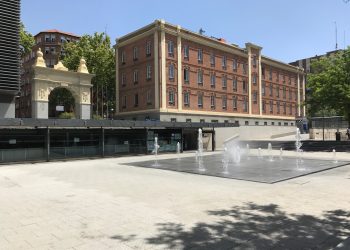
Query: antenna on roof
[336, 36]
[201, 31]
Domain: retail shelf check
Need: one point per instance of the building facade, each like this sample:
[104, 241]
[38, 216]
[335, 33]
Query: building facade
[50, 42]
[167, 73]
[9, 56]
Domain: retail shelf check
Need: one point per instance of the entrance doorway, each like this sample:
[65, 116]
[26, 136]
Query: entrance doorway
[61, 101]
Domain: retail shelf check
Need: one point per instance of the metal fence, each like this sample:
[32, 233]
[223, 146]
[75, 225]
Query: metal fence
[334, 122]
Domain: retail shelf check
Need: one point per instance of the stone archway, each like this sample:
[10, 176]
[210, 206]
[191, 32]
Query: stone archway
[61, 100]
[47, 79]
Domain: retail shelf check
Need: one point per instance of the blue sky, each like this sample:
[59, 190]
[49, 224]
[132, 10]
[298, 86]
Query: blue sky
[286, 29]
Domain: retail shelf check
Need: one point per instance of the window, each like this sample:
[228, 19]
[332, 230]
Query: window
[290, 80]
[171, 97]
[186, 75]
[63, 39]
[264, 106]
[187, 98]
[149, 72]
[278, 107]
[246, 122]
[200, 100]
[254, 79]
[284, 79]
[170, 48]
[201, 120]
[255, 96]
[171, 71]
[254, 61]
[271, 106]
[173, 119]
[53, 38]
[123, 79]
[224, 81]
[234, 65]
[278, 76]
[124, 102]
[271, 89]
[148, 97]
[245, 104]
[200, 77]
[224, 61]
[277, 91]
[284, 92]
[272, 123]
[279, 123]
[234, 102]
[286, 124]
[234, 84]
[265, 123]
[290, 94]
[148, 48]
[188, 120]
[290, 109]
[212, 59]
[135, 53]
[270, 75]
[214, 121]
[224, 102]
[284, 108]
[244, 86]
[52, 50]
[212, 80]
[263, 72]
[47, 50]
[296, 95]
[200, 55]
[47, 38]
[136, 76]
[256, 123]
[186, 52]
[212, 101]
[123, 57]
[244, 68]
[136, 100]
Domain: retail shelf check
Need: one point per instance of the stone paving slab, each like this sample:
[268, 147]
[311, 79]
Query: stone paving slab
[257, 169]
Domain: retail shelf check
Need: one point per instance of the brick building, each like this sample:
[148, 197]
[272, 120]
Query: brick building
[168, 73]
[51, 44]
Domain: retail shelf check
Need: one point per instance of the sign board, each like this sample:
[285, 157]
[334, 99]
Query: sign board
[59, 108]
[76, 139]
[12, 141]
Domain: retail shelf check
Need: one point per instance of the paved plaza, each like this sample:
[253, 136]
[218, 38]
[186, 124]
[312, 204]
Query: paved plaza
[105, 204]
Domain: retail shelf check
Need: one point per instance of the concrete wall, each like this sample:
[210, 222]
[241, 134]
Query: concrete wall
[7, 106]
[252, 133]
[329, 134]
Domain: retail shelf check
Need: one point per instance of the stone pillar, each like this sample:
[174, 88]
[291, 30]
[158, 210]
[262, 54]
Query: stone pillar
[179, 70]
[156, 70]
[163, 64]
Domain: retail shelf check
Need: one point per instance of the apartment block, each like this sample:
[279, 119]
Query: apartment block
[168, 73]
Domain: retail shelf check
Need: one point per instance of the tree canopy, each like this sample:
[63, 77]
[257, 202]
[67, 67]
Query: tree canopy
[96, 49]
[26, 40]
[329, 85]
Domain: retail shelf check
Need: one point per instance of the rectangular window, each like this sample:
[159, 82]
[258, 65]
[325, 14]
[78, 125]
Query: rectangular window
[245, 104]
[224, 61]
[271, 89]
[278, 76]
[234, 84]
[254, 79]
[290, 94]
[254, 61]
[136, 76]
[296, 95]
[171, 72]
[244, 86]
[263, 72]
[123, 58]
[123, 79]
[284, 108]
[224, 102]
[271, 106]
[200, 77]
[200, 100]
[270, 75]
[201, 120]
[212, 59]
[63, 39]
[188, 120]
[212, 80]
[136, 100]
[255, 97]
[135, 53]
[284, 79]
[290, 109]
[173, 119]
[148, 97]
[186, 75]
[53, 51]
[187, 98]
[200, 55]
[284, 92]
[47, 50]
[186, 52]
[212, 101]
[224, 81]
[149, 72]
[170, 48]
[278, 107]
[171, 97]
[264, 106]
[148, 48]
[124, 102]
[47, 38]
[234, 64]
[234, 102]
[244, 68]
[53, 38]
[277, 91]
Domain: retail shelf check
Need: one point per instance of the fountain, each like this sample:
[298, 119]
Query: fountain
[298, 145]
[248, 151]
[334, 156]
[178, 150]
[269, 151]
[200, 151]
[155, 150]
[259, 154]
[281, 154]
[225, 161]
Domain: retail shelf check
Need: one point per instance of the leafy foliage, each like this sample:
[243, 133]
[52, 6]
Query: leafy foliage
[26, 40]
[66, 115]
[100, 59]
[329, 84]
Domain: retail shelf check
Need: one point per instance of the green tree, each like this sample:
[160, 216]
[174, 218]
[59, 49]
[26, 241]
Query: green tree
[26, 40]
[100, 59]
[329, 85]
